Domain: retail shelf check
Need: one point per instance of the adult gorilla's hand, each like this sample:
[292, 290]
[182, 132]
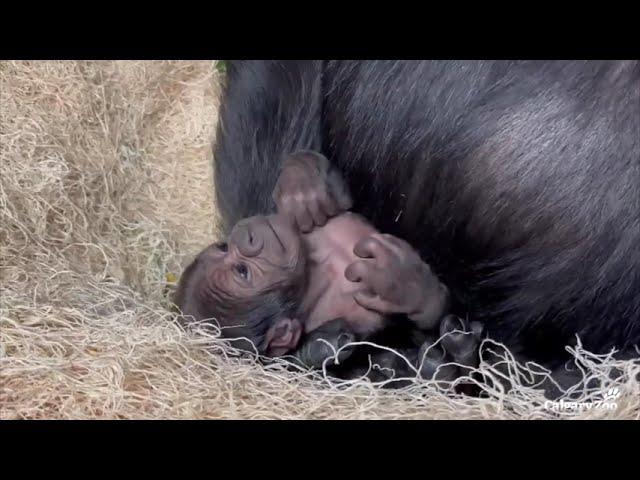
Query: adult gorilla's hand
[396, 280]
[309, 191]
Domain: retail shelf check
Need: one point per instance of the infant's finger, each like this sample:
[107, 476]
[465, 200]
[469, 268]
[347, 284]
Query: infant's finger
[302, 216]
[318, 215]
[328, 204]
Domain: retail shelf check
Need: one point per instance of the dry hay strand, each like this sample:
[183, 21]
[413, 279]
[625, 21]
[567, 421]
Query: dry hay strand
[105, 193]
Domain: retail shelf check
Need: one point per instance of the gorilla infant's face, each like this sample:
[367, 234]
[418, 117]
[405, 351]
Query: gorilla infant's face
[259, 253]
[250, 283]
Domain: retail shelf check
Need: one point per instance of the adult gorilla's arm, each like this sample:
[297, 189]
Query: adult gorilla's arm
[269, 108]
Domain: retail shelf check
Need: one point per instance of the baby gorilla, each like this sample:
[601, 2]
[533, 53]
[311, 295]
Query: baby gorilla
[314, 277]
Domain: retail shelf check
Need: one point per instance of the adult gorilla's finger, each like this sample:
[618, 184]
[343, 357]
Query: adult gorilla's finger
[371, 301]
[371, 247]
[397, 245]
[358, 270]
[376, 279]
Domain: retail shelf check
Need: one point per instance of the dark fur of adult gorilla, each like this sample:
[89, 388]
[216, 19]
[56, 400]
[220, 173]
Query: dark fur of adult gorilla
[517, 181]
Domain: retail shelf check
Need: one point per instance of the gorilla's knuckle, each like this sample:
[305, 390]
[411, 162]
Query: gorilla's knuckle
[298, 197]
[312, 195]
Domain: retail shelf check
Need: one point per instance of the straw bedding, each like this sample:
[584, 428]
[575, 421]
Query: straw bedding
[105, 194]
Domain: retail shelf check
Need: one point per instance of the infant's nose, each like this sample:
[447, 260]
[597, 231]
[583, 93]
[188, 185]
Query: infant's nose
[248, 240]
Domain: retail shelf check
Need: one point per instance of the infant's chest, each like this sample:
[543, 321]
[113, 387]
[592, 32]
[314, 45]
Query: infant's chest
[331, 258]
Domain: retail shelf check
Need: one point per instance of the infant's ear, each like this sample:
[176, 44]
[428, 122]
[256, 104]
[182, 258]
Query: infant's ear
[283, 336]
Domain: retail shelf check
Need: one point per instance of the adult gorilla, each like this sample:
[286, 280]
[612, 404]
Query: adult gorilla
[518, 181]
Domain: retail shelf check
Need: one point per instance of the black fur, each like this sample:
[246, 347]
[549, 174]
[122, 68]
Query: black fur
[518, 181]
[270, 109]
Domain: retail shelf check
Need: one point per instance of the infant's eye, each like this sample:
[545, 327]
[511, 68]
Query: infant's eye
[242, 270]
[222, 246]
